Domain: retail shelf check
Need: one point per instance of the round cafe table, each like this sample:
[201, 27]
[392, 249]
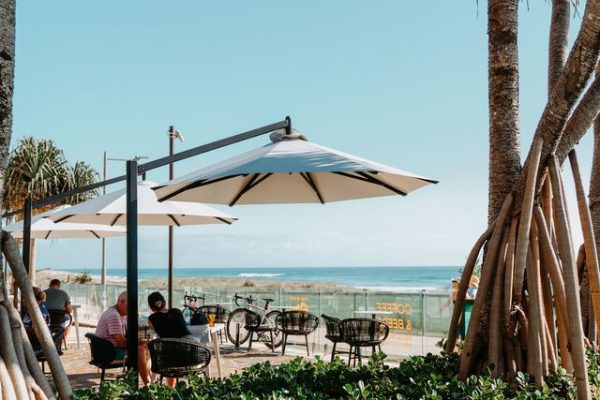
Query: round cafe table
[213, 337]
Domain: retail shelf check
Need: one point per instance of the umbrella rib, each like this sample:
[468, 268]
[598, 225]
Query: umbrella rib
[309, 179]
[63, 218]
[244, 189]
[116, 219]
[194, 185]
[258, 182]
[416, 177]
[376, 181]
[347, 175]
[47, 235]
[95, 234]
[174, 220]
[223, 220]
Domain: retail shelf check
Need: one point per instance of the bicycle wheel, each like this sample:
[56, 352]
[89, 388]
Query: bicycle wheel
[235, 323]
[278, 339]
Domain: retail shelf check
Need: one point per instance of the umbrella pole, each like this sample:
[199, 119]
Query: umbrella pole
[132, 266]
[27, 236]
[171, 176]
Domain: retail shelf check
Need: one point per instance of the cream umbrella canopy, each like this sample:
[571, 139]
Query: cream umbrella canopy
[44, 228]
[111, 209]
[291, 170]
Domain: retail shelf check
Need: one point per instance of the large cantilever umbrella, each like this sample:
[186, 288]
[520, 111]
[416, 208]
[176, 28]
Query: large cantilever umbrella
[111, 209]
[44, 228]
[291, 170]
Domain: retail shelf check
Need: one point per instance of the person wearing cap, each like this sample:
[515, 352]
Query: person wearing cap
[473, 286]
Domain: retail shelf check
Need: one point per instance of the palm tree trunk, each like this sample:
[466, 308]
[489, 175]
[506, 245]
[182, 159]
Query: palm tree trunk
[11, 252]
[503, 94]
[566, 91]
[571, 287]
[559, 31]
[580, 121]
[7, 73]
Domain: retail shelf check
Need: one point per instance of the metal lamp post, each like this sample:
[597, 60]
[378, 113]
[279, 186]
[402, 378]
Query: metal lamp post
[173, 134]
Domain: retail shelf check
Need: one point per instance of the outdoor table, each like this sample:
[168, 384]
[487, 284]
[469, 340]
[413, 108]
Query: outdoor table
[214, 331]
[374, 313]
[213, 337]
[76, 321]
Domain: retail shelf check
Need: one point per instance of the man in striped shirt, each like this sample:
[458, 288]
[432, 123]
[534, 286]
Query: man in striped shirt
[112, 326]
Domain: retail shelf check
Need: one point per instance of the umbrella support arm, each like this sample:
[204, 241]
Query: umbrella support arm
[161, 162]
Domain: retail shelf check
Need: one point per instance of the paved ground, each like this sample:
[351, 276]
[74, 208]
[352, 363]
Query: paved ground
[82, 374]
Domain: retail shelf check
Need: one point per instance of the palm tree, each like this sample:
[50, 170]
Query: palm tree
[529, 276]
[81, 174]
[37, 168]
[503, 95]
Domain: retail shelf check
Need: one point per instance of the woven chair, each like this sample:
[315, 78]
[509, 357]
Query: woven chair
[255, 326]
[176, 358]
[57, 333]
[332, 333]
[363, 332]
[296, 323]
[60, 318]
[221, 316]
[103, 354]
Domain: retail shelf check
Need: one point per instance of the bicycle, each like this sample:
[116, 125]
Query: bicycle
[236, 330]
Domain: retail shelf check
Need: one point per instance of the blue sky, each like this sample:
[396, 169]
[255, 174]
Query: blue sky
[403, 83]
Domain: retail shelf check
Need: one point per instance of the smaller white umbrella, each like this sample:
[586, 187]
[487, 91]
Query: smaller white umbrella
[43, 228]
[111, 209]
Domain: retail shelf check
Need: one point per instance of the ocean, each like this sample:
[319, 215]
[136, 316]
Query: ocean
[373, 278]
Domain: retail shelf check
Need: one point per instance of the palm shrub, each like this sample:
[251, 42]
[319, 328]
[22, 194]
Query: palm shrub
[432, 377]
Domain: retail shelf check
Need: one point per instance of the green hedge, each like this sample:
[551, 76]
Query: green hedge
[431, 377]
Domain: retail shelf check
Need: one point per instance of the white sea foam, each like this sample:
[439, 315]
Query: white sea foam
[406, 289]
[258, 275]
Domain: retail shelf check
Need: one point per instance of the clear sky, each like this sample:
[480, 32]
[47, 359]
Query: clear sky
[403, 83]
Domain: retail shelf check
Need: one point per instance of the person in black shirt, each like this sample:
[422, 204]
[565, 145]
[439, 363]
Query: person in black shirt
[167, 322]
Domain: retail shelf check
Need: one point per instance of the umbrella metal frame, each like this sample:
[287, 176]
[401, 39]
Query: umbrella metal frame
[133, 170]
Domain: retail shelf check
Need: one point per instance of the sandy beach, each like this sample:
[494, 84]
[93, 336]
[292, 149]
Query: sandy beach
[43, 277]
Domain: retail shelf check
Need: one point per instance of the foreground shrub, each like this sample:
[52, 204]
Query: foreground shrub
[431, 377]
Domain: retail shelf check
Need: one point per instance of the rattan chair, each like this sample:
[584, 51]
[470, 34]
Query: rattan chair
[296, 323]
[332, 333]
[176, 358]
[60, 318]
[363, 332]
[57, 333]
[103, 354]
[255, 326]
[221, 316]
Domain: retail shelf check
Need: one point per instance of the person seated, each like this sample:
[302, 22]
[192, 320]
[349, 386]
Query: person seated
[56, 331]
[59, 300]
[112, 326]
[167, 322]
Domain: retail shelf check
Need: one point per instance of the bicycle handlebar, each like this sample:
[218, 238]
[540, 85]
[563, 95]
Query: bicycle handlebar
[237, 297]
[193, 297]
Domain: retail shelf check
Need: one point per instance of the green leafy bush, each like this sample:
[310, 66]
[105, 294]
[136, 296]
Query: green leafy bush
[432, 377]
